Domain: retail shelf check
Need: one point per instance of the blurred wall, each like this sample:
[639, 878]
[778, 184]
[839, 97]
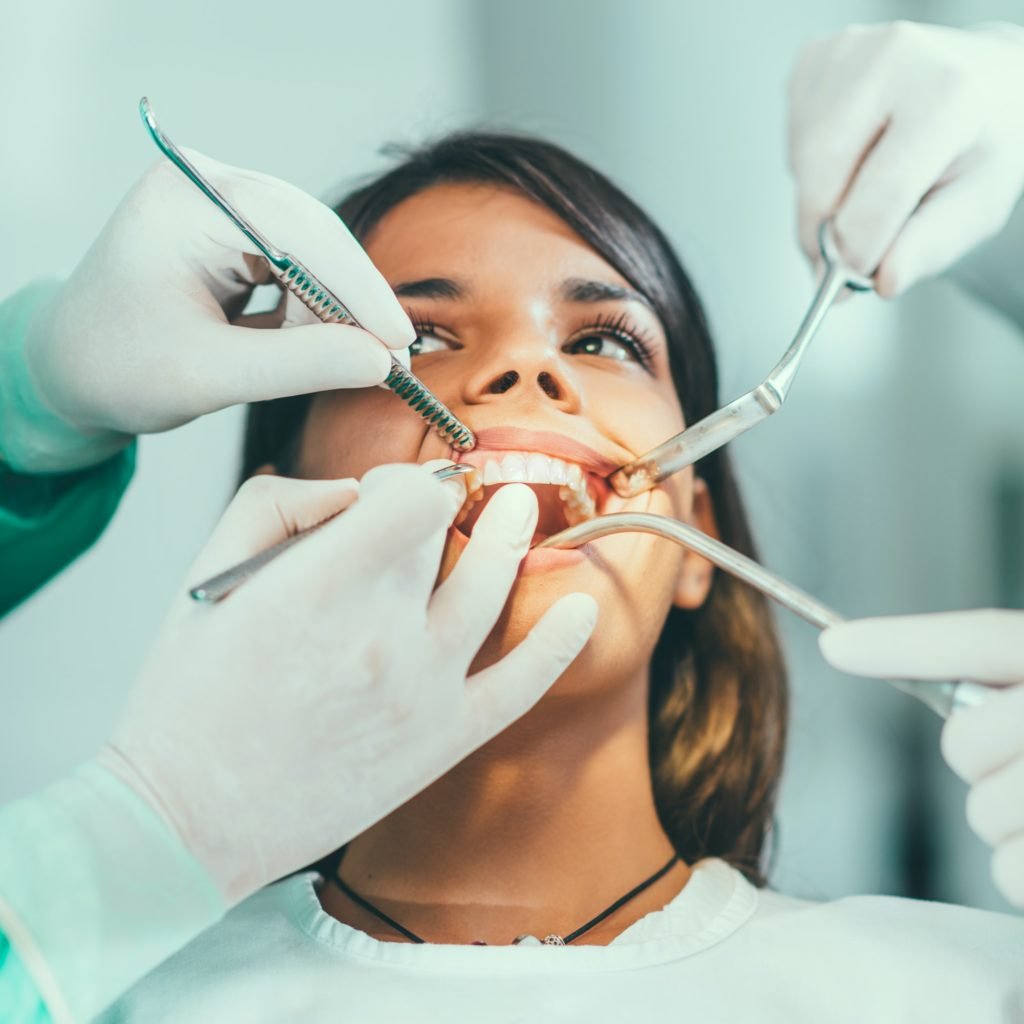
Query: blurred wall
[879, 486]
[887, 484]
[308, 99]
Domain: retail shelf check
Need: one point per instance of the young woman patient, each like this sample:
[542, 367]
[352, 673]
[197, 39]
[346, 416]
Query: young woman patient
[555, 320]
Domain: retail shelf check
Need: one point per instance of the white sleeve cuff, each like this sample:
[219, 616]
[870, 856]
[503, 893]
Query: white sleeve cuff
[33, 438]
[96, 890]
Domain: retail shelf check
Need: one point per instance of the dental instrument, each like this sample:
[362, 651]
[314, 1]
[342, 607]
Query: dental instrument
[315, 295]
[726, 424]
[216, 588]
[943, 697]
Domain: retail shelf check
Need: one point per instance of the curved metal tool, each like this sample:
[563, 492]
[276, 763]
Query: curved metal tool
[216, 588]
[314, 294]
[727, 423]
[942, 697]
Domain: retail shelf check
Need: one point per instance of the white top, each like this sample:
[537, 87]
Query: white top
[722, 950]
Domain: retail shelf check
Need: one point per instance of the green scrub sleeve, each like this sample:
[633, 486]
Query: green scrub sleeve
[47, 518]
[33, 438]
[20, 1001]
[95, 891]
[47, 521]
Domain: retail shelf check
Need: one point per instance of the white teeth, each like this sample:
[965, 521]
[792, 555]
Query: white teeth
[513, 469]
[534, 468]
[538, 469]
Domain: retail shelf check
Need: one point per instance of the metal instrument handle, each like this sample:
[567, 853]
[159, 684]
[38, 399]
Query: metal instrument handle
[279, 259]
[744, 413]
[943, 697]
[216, 588]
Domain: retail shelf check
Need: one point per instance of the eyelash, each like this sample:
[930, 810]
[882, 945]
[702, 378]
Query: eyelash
[622, 328]
[618, 326]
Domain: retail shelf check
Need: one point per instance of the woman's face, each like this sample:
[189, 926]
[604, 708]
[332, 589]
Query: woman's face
[561, 370]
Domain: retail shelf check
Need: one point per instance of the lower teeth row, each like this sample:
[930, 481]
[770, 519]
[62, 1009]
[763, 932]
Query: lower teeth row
[579, 504]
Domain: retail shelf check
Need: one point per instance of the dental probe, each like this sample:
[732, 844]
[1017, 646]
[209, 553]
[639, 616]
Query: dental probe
[942, 697]
[218, 587]
[315, 295]
[726, 424]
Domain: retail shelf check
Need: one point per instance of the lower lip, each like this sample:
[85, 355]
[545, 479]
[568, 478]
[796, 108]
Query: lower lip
[539, 559]
[543, 559]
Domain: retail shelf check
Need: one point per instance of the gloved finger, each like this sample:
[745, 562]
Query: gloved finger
[454, 486]
[312, 233]
[295, 313]
[1008, 869]
[948, 223]
[242, 364]
[825, 154]
[466, 606]
[267, 509]
[822, 185]
[985, 646]
[418, 568]
[909, 158]
[400, 508]
[995, 805]
[500, 694]
[977, 741]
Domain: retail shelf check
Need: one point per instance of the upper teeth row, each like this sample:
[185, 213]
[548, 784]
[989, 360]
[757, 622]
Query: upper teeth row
[532, 468]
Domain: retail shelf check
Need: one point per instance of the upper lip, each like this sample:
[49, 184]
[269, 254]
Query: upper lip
[544, 442]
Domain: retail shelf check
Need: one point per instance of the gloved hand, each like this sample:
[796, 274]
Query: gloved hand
[984, 745]
[274, 727]
[138, 339]
[913, 137]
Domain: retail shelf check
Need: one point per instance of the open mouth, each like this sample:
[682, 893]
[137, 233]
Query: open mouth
[566, 492]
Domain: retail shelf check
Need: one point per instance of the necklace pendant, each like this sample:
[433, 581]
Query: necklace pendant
[532, 940]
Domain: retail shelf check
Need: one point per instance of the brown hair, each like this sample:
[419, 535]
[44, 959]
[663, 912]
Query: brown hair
[718, 693]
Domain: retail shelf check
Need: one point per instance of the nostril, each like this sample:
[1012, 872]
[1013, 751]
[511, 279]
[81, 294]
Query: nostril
[505, 382]
[549, 385]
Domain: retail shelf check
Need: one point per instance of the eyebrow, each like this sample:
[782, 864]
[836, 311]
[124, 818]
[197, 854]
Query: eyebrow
[573, 289]
[430, 288]
[578, 289]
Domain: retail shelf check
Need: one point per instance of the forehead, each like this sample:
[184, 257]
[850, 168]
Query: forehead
[485, 233]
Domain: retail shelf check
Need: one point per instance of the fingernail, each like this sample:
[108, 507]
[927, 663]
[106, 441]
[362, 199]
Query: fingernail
[516, 512]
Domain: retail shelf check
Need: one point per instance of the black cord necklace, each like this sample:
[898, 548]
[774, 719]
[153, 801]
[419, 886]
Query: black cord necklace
[524, 940]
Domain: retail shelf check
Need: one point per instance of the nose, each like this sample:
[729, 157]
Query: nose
[528, 370]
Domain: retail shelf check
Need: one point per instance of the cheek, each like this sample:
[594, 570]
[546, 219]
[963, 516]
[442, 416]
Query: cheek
[674, 496]
[347, 434]
[640, 417]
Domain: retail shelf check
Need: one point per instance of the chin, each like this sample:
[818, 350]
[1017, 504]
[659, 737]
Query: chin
[631, 614]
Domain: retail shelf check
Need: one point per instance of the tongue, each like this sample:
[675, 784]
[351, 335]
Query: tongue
[550, 510]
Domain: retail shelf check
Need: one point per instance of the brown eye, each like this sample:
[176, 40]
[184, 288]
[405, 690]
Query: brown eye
[428, 338]
[609, 348]
[427, 343]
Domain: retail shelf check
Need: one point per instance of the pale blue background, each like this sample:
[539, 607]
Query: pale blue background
[877, 489]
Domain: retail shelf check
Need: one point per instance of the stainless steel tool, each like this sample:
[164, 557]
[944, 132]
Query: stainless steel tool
[218, 587]
[727, 423]
[943, 697]
[314, 294]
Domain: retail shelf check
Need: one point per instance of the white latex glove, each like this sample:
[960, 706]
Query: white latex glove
[274, 727]
[138, 339]
[983, 745]
[913, 137]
